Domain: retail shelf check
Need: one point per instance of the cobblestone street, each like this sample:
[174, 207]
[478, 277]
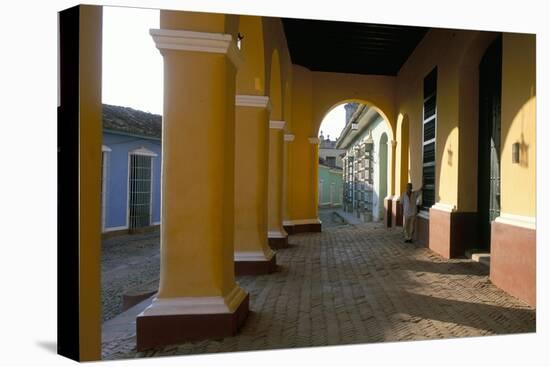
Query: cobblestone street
[355, 284]
[126, 262]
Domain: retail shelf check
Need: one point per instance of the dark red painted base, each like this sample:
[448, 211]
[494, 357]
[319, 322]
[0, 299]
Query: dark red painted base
[303, 228]
[514, 261]
[277, 243]
[397, 213]
[130, 300]
[157, 331]
[421, 233]
[452, 233]
[256, 267]
[387, 212]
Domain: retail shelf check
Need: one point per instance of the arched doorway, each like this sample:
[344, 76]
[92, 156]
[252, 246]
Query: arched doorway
[488, 205]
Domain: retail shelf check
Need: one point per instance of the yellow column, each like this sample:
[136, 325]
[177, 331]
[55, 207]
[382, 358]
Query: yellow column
[252, 253]
[278, 238]
[197, 282]
[390, 201]
[288, 138]
[314, 221]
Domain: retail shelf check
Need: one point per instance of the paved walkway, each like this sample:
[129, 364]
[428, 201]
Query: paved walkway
[355, 284]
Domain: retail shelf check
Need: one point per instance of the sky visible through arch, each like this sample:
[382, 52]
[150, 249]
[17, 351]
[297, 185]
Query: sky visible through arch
[333, 123]
[132, 65]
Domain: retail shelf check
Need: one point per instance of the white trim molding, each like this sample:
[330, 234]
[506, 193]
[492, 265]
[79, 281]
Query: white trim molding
[314, 140]
[444, 207]
[517, 220]
[253, 255]
[273, 124]
[281, 233]
[143, 151]
[289, 137]
[176, 39]
[196, 305]
[252, 101]
[105, 148]
[301, 221]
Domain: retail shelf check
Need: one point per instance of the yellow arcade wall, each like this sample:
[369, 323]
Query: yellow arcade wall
[518, 124]
[451, 131]
[251, 74]
[457, 115]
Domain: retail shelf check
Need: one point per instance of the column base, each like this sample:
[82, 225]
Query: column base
[451, 233]
[421, 233]
[302, 226]
[277, 239]
[397, 212]
[255, 263]
[513, 260]
[177, 320]
[388, 211]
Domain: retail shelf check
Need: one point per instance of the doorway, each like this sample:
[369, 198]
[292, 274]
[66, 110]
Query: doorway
[490, 77]
[139, 191]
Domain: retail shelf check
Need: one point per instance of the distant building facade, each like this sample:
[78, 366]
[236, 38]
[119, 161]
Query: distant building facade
[330, 173]
[330, 186]
[130, 180]
[365, 163]
[328, 153]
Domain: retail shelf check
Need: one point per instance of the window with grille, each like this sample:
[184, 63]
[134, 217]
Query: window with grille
[139, 191]
[429, 126]
[104, 183]
[331, 161]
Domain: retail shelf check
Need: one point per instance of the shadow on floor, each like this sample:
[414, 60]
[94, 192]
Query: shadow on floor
[457, 268]
[472, 314]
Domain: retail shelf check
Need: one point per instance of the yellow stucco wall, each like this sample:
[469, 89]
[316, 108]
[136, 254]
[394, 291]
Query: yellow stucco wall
[456, 134]
[457, 113]
[301, 196]
[251, 74]
[90, 177]
[518, 181]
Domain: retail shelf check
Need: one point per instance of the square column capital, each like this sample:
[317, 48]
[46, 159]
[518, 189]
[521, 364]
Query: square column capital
[175, 39]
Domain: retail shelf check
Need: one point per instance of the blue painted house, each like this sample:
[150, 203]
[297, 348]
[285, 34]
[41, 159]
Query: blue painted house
[131, 157]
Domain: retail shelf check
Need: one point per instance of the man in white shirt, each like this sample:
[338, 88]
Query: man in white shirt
[409, 200]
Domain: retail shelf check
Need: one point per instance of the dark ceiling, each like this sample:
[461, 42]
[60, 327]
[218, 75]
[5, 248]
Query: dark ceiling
[346, 47]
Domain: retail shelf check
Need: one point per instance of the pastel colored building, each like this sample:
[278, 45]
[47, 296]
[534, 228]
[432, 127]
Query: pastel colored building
[366, 169]
[131, 170]
[330, 186]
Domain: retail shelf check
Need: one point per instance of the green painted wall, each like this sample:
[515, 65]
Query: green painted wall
[330, 177]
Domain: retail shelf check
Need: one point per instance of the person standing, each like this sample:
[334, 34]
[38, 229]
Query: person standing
[409, 201]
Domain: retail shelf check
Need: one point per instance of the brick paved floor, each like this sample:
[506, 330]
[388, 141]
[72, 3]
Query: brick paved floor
[358, 284]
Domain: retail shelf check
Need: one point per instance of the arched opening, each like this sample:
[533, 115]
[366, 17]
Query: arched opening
[488, 203]
[360, 150]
